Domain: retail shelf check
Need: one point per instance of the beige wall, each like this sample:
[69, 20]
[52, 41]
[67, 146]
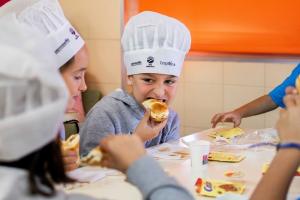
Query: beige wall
[99, 22]
[205, 87]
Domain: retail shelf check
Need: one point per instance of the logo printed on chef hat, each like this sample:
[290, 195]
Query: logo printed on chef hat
[47, 17]
[155, 43]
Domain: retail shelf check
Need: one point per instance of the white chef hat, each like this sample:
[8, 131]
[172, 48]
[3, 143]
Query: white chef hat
[33, 95]
[47, 17]
[155, 43]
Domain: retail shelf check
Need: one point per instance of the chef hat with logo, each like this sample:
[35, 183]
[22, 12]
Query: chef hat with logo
[33, 95]
[47, 17]
[155, 43]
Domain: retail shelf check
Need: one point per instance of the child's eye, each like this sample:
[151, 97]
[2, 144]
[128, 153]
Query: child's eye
[148, 80]
[77, 77]
[170, 82]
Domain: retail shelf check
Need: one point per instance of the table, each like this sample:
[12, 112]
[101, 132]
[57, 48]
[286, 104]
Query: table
[251, 166]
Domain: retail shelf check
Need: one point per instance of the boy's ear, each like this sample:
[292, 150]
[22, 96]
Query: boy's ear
[129, 80]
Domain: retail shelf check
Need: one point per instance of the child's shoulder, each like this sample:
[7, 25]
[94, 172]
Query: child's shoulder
[112, 101]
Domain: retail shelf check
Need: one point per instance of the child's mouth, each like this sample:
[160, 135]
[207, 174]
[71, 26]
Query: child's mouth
[162, 100]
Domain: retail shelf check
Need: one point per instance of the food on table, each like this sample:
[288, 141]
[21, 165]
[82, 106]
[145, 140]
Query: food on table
[182, 153]
[234, 174]
[214, 188]
[164, 149]
[225, 157]
[158, 110]
[227, 133]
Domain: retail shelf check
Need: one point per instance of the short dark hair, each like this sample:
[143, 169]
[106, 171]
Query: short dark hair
[45, 167]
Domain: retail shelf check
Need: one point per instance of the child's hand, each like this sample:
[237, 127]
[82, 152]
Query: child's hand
[147, 129]
[233, 116]
[70, 158]
[120, 151]
[288, 124]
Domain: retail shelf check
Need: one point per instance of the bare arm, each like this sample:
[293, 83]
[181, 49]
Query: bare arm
[284, 165]
[279, 176]
[258, 106]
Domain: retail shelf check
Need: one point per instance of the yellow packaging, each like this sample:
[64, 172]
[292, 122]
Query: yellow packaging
[225, 157]
[267, 165]
[227, 133]
[214, 188]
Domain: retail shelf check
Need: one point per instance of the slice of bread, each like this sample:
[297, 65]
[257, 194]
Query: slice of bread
[158, 110]
[93, 158]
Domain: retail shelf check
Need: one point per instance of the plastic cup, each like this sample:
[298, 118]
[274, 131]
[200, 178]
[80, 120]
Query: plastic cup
[199, 153]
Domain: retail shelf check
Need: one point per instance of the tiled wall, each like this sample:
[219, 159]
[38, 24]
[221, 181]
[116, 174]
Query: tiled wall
[205, 88]
[211, 87]
[99, 22]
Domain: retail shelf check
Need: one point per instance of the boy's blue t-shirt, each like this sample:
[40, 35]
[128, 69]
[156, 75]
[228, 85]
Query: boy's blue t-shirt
[278, 93]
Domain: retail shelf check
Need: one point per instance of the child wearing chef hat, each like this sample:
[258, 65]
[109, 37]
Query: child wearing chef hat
[154, 49]
[66, 47]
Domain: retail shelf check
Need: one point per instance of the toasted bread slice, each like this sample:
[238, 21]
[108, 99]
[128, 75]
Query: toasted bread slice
[158, 110]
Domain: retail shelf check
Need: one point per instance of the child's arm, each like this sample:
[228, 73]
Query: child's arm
[127, 154]
[275, 183]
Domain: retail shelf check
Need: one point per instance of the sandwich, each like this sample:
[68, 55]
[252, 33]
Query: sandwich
[93, 158]
[72, 144]
[158, 110]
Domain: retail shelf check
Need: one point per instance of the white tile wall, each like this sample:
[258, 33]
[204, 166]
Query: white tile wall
[247, 74]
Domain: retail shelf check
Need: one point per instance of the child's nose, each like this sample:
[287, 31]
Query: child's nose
[159, 92]
[83, 86]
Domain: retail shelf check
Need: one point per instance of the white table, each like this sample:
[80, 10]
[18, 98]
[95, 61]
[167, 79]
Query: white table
[114, 187]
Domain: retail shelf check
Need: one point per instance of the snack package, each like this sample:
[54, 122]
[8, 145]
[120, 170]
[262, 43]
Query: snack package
[225, 157]
[214, 188]
[72, 144]
[93, 158]
[266, 166]
[158, 110]
[227, 133]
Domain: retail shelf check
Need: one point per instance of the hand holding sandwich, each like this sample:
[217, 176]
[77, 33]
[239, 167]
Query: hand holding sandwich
[121, 151]
[148, 129]
[70, 158]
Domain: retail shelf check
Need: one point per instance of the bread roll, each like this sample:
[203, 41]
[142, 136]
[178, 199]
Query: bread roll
[72, 144]
[298, 84]
[158, 110]
[93, 158]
